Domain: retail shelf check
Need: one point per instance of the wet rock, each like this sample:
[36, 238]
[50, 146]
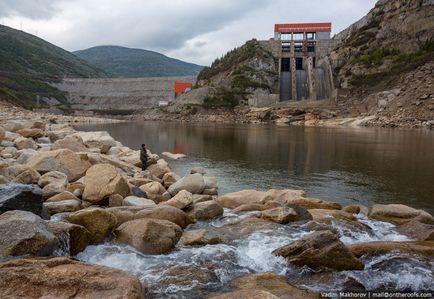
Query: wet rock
[101, 181]
[381, 248]
[159, 169]
[282, 215]
[282, 196]
[246, 227]
[246, 294]
[24, 143]
[314, 203]
[192, 183]
[199, 170]
[21, 197]
[197, 198]
[153, 188]
[64, 160]
[417, 230]
[236, 199]
[320, 249]
[65, 195]
[138, 201]
[98, 222]
[173, 156]
[73, 143]
[302, 213]
[31, 133]
[249, 207]
[212, 191]
[166, 212]
[115, 200]
[273, 283]
[23, 232]
[352, 209]
[399, 214]
[125, 213]
[28, 176]
[201, 237]
[206, 210]
[149, 236]
[181, 200]
[69, 205]
[100, 140]
[324, 215]
[75, 236]
[53, 182]
[65, 278]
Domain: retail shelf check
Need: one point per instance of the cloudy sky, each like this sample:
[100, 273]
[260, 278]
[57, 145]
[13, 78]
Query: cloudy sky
[192, 30]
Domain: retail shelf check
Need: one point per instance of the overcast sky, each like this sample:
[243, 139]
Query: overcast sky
[192, 30]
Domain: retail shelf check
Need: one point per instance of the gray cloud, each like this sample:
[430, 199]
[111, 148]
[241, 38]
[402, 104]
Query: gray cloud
[192, 30]
[33, 9]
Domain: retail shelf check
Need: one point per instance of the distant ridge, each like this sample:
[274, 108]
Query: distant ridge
[126, 62]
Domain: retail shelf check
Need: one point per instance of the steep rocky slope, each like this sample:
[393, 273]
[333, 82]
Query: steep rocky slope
[28, 62]
[384, 67]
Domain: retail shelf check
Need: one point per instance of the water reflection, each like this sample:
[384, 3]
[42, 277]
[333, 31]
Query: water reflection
[348, 165]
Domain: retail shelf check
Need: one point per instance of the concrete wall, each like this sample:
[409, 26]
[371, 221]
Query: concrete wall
[119, 94]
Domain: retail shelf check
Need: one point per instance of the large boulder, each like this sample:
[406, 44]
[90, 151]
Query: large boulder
[181, 200]
[21, 197]
[75, 237]
[62, 277]
[63, 160]
[138, 202]
[98, 222]
[153, 188]
[126, 168]
[417, 230]
[236, 199]
[382, 248]
[399, 214]
[170, 178]
[100, 140]
[314, 203]
[192, 183]
[31, 133]
[73, 143]
[281, 196]
[63, 206]
[23, 232]
[101, 181]
[273, 283]
[282, 215]
[149, 236]
[27, 176]
[159, 169]
[201, 237]
[24, 143]
[166, 212]
[320, 249]
[206, 210]
[52, 183]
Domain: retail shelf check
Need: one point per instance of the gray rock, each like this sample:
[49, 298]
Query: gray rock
[21, 197]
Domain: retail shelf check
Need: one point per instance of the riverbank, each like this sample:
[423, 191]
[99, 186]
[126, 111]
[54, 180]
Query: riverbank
[81, 194]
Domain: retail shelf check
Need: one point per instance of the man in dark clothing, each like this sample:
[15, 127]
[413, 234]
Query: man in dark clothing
[144, 157]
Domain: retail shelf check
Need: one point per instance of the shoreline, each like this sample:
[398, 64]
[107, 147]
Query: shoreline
[93, 189]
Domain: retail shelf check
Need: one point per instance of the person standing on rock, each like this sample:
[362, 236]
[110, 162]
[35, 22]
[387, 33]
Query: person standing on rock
[144, 156]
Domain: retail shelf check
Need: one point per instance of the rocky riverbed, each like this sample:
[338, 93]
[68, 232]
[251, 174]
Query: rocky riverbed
[79, 219]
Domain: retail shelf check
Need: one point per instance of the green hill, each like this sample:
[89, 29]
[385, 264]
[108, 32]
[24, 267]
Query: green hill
[126, 62]
[28, 62]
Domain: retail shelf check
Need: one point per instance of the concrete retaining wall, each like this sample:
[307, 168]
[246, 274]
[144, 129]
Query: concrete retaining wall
[119, 94]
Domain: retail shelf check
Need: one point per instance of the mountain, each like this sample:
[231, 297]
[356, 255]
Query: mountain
[126, 62]
[27, 63]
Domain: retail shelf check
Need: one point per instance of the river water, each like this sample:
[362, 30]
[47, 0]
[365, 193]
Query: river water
[350, 166]
[364, 166]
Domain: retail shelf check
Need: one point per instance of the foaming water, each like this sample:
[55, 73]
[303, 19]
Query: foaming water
[196, 272]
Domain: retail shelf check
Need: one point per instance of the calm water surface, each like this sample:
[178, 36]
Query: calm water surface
[364, 166]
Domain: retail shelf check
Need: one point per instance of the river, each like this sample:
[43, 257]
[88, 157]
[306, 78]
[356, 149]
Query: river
[347, 165]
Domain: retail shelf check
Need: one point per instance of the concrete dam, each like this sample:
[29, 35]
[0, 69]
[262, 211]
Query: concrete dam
[117, 94]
